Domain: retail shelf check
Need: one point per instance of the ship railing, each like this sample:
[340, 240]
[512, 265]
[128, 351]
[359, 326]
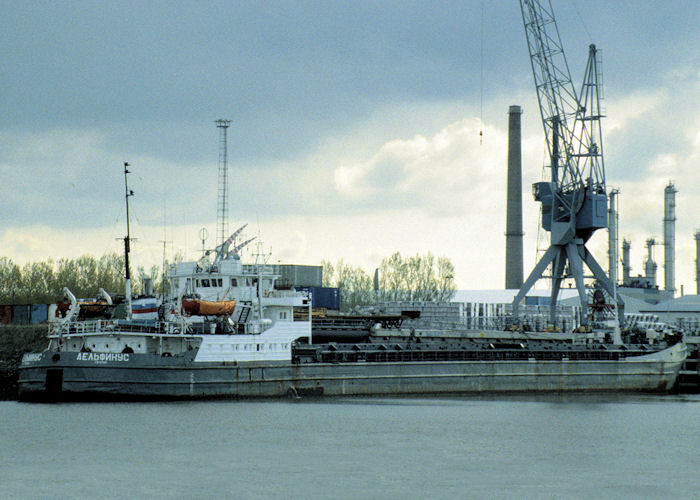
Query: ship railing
[255, 269]
[80, 327]
[377, 356]
[117, 326]
[280, 294]
[175, 327]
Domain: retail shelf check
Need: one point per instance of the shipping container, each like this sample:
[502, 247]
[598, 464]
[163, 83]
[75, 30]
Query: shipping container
[21, 314]
[39, 313]
[6, 315]
[292, 275]
[326, 297]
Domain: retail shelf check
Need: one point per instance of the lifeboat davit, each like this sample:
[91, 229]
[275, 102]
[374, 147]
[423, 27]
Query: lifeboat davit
[95, 309]
[196, 307]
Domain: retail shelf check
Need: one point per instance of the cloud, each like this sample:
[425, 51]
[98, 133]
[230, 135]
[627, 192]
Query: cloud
[627, 111]
[440, 174]
[74, 178]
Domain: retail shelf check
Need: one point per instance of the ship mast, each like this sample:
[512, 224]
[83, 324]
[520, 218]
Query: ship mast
[127, 238]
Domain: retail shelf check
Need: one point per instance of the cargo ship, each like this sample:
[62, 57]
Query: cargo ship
[227, 332]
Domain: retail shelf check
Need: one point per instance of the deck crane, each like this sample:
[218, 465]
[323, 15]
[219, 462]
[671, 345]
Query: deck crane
[574, 201]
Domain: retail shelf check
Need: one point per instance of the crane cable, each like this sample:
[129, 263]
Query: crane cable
[481, 81]
[583, 23]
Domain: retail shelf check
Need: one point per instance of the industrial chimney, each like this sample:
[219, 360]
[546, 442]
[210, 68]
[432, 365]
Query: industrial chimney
[612, 235]
[670, 237]
[626, 267]
[514, 203]
[649, 264]
[697, 262]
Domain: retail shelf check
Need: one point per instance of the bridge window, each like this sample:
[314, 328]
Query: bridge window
[234, 282]
[205, 283]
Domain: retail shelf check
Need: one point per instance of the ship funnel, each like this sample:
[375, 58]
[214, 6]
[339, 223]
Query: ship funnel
[669, 237]
[147, 286]
[514, 203]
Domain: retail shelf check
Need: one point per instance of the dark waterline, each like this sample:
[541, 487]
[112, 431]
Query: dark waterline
[538, 446]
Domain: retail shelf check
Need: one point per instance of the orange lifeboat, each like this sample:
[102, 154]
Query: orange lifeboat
[208, 308]
[94, 309]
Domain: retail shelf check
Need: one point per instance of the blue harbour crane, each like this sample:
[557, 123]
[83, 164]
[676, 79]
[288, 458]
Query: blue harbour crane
[574, 201]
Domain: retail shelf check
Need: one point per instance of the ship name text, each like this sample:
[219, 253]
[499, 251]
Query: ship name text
[102, 356]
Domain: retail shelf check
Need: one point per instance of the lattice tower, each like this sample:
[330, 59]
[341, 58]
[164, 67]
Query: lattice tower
[222, 198]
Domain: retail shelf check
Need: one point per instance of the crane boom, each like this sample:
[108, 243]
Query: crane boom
[555, 91]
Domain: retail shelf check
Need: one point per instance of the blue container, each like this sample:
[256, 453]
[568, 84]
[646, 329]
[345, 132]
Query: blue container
[325, 297]
[39, 313]
[322, 296]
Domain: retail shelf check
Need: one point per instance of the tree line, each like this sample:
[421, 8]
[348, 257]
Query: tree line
[398, 278]
[43, 282]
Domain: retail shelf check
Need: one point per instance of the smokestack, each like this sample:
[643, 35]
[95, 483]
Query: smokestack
[612, 236]
[626, 267]
[697, 261]
[670, 237]
[649, 264]
[514, 203]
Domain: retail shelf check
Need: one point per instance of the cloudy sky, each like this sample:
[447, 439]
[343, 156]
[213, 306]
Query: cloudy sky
[354, 126]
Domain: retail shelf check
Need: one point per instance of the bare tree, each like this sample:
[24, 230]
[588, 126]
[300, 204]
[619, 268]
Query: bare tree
[417, 277]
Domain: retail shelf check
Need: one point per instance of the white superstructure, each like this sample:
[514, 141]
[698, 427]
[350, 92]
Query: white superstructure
[222, 309]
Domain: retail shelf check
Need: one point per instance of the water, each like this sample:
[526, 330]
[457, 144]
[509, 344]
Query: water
[599, 446]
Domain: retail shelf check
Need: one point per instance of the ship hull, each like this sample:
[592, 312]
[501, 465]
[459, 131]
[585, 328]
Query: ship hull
[69, 376]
